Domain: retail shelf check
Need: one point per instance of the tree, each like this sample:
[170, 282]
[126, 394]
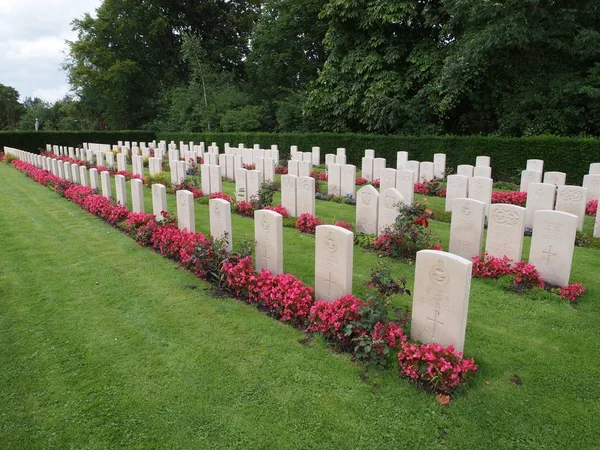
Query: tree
[10, 108]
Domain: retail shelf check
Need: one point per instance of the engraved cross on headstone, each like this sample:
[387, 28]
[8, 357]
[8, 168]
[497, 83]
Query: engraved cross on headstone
[435, 321]
[331, 283]
[549, 253]
[265, 255]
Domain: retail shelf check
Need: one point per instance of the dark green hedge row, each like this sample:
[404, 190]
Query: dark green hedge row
[33, 141]
[509, 155]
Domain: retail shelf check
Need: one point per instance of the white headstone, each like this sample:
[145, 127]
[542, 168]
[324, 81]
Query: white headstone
[536, 165]
[305, 197]
[405, 185]
[75, 173]
[304, 168]
[595, 169]
[205, 179]
[529, 176]
[253, 182]
[370, 153]
[572, 199]
[83, 176]
[67, 171]
[316, 156]
[482, 171]
[329, 159]
[597, 224]
[220, 220]
[241, 184]
[348, 181]
[106, 186]
[555, 178]
[466, 170]
[401, 160]
[93, 178]
[378, 166]
[506, 225]
[121, 188]
[293, 167]
[456, 187]
[268, 234]
[439, 165]
[367, 210]
[466, 227]
[552, 245]
[215, 179]
[482, 161]
[289, 194]
[334, 256]
[159, 201]
[441, 298]
[334, 179]
[387, 180]
[389, 209]
[480, 188]
[367, 168]
[425, 171]
[414, 167]
[185, 211]
[592, 184]
[137, 195]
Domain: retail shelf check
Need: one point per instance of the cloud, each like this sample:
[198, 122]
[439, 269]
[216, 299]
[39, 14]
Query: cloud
[33, 35]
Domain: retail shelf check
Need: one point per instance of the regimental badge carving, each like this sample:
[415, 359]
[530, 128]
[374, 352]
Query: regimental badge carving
[304, 184]
[183, 200]
[390, 201]
[466, 212]
[217, 211]
[388, 175]
[571, 195]
[406, 177]
[457, 182]
[288, 182]
[505, 216]
[539, 193]
[438, 274]
[330, 244]
[264, 223]
[365, 197]
[348, 171]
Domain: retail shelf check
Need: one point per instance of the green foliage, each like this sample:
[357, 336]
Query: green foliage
[10, 108]
[35, 142]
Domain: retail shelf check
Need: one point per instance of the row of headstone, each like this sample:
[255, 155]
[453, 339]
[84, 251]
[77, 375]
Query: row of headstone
[247, 184]
[298, 195]
[314, 156]
[376, 212]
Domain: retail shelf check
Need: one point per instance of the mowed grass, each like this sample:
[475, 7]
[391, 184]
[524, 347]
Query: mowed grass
[104, 344]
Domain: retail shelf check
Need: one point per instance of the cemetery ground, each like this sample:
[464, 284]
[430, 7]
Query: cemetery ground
[104, 344]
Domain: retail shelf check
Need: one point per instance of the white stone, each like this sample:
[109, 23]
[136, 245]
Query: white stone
[348, 180]
[329, 159]
[83, 176]
[456, 187]
[482, 161]
[405, 185]
[425, 171]
[572, 199]
[439, 165]
[441, 299]
[334, 254]
[378, 166]
[67, 171]
[121, 188]
[289, 194]
[387, 179]
[541, 196]
[595, 169]
[506, 225]
[552, 245]
[480, 188]
[401, 160]
[220, 221]
[536, 165]
[367, 168]
[268, 235]
[316, 156]
[137, 195]
[94, 183]
[597, 224]
[75, 173]
[334, 179]
[121, 162]
[592, 184]
[269, 173]
[253, 182]
[466, 227]
[305, 197]
[241, 184]
[205, 179]
[293, 167]
[555, 178]
[106, 186]
[340, 159]
[414, 167]
[389, 209]
[304, 168]
[367, 210]
[529, 176]
[215, 179]
[466, 170]
[482, 171]
[185, 211]
[159, 200]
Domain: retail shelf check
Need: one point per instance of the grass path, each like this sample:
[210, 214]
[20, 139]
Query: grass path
[104, 344]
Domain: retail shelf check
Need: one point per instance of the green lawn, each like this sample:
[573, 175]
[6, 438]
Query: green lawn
[104, 344]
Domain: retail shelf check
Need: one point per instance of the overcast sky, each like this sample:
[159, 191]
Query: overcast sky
[32, 44]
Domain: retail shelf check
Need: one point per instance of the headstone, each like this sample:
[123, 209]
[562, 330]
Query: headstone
[378, 166]
[185, 211]
[293, 167]
[334, 256]
[405, 185]
[348, 182]
[482, 161]
[370, 153]
[305, 197]
[456, 187]
[75, 173]
[288, 194]
[205, 179]
[414, 167]
[121, 162]
[137, 195]
[174, 166]
[83, 176]
[159, 201]
[555, 178]
[441, 299]
[334, 179]
[215, 179]
[329, 159]
[340, 159]
[253, 182]
[401, 160]
[241, 184]
[426, 171]
[439, 165]
[367, 210]
[466, 227]
[541, 196]
[572, 199]
[316, 156]
[268, 234]
[592, 184]
[106, 186]
[482, 171]
[597, 224]
[367, 168]
[387, 180]
[389, 209]
[595, 169]
[529, 176]
[466, 170]
[121, 188]
[269, 173]
[506, 225]
[67, 171]
[537, 165]
[552, 245]
[94, 179]
[220, 221]
[481, 189]
[304, 168]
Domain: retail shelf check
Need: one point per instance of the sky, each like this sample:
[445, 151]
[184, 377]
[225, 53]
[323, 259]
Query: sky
[32, 44]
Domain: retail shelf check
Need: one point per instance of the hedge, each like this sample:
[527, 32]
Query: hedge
[509, 155]
[34, 141]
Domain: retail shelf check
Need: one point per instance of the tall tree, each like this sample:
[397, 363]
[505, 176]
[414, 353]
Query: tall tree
[10, 108]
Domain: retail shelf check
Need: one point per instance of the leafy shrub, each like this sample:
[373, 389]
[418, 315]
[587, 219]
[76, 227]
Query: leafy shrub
[571, 292]
[307, 223]
[245, 208]
[221, 195]
[365, 240]
[342, 224]
[511, 198]
[280, 209]
[486, 266]
[591, 208]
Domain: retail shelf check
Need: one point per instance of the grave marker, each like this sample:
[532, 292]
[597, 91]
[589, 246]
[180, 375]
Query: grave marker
[466, 227]
[506, 225]
[333, 262]
[389, 204]
[185, 211]
[220, 221]
[367, 210]
[268, 234]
